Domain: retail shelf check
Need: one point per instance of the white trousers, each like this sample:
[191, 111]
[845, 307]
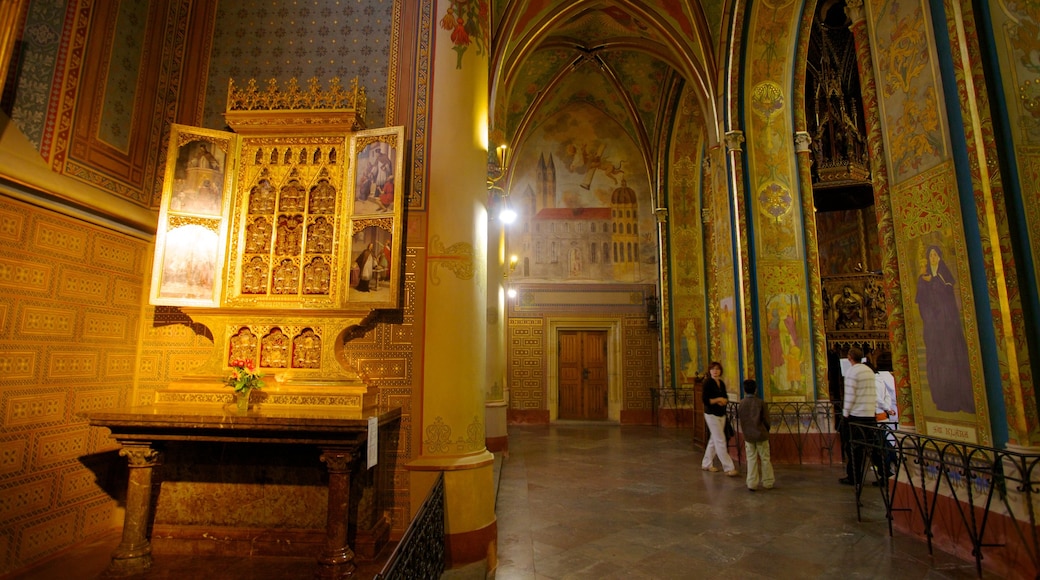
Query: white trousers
[717, 443]
[758, 460]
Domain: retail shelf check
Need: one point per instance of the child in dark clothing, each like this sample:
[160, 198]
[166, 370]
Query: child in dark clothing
[754, 422]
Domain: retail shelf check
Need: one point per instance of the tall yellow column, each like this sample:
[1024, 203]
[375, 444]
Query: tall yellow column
[452, 419]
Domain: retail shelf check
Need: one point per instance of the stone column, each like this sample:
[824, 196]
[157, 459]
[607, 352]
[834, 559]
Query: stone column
[735, 150]
[336, 559]
[451, 423]
[883, 207]
[134, 552]
[803, 154]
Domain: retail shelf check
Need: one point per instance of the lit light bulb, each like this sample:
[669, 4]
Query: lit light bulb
[507, 215]
[511, 293]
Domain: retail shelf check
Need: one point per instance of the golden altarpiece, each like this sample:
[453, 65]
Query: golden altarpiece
[279, 237]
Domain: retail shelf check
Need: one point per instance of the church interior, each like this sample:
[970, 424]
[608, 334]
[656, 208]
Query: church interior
[277, 274]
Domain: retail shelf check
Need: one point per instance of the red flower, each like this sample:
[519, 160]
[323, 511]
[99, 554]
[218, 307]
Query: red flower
[460, 36]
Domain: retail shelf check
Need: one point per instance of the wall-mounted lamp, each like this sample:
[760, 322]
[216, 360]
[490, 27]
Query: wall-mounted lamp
[498, 168]
[652, 321]
[507, 213]
[513, 261]
[511, 292]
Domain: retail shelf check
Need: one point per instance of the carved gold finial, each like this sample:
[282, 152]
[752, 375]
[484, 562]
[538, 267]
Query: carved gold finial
[257, 109]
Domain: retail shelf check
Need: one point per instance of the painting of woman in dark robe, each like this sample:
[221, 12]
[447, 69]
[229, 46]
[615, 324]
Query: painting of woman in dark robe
[946, 351]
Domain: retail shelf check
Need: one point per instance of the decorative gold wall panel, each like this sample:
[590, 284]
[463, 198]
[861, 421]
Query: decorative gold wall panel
[69, 316]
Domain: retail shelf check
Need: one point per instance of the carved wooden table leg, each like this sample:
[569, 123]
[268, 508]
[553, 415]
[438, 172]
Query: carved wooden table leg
[134, 553]
[337, 559]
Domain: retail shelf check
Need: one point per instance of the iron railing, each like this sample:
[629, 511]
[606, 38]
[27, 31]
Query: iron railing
[800, 422]
[420, 553]
[981, 481]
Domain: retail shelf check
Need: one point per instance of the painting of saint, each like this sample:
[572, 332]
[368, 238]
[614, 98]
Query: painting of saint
[945, 348]
[370, 265]
[198, 179]
[374, 189]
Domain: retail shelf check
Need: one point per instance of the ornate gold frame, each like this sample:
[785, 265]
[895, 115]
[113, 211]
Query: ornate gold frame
[190, 246]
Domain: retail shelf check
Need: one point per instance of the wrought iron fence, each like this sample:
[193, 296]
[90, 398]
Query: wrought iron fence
[799, 422]
[981, 481]
[420, 554]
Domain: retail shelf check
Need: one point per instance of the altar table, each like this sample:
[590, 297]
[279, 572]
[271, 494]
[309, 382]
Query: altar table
[340, 436]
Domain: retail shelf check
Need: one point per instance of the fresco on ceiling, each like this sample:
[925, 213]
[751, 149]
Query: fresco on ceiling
[587, 84]
[596, 26]
[581, 191]
[536, 73]
[643, 78]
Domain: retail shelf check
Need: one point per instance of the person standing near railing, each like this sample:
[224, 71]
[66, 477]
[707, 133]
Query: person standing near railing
[858, 408]
[713, 394]
[754, 423]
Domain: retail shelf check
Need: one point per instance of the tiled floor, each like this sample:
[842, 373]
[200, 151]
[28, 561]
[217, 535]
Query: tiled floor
[584, 501]
[602, 502]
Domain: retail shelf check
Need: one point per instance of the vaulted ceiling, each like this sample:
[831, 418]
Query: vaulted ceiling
[628, 58]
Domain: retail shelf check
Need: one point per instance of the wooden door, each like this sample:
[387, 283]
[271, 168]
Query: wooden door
[583, 374]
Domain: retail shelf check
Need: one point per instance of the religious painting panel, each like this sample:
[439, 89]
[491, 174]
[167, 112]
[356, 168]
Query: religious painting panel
[942, 333]
[287, 222]
[374, 273]
[786, 375]
[377, 171]
[190, 238]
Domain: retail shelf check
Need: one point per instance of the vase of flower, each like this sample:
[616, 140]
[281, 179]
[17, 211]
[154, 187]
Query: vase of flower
[243, 402]
[243, 378]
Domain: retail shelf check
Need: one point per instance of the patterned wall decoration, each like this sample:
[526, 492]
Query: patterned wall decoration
[42, 52]
[1015, 26]
[774, 209]
[283, 39]
[944, 354]
[722, 278]
[527, 372]
[689, 329]
[944, 357]
[69, 321]
[123, 74]
[908, 89]
[84, 101]
[383, 353]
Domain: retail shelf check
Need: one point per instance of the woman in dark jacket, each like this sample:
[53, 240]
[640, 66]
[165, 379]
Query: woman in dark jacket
[715, 399]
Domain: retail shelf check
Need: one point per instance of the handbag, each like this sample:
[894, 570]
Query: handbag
[728, 429]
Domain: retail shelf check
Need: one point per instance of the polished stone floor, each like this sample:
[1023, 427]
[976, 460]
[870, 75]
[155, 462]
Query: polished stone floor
[601, 502]
[597, 501]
